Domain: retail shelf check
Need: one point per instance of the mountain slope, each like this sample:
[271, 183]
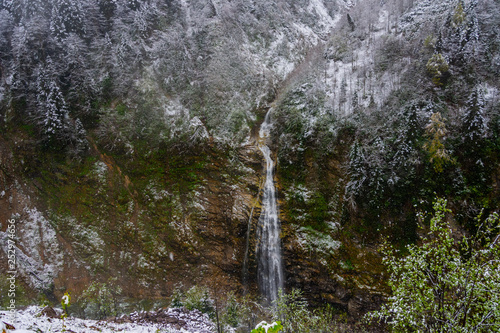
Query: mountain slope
[128, 143]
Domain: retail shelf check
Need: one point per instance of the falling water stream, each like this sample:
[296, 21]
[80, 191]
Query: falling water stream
[269, 268]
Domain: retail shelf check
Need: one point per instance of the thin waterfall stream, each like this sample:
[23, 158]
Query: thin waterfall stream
[269, 266]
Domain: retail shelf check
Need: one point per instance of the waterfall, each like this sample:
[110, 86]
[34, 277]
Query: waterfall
[270, 267]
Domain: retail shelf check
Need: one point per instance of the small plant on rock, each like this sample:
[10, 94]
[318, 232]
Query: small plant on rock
[264, 327]
[65, 303]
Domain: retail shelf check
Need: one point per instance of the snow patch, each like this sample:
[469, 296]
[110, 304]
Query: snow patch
[317, 241]
[39, 257]
[29, 320]
[100, 170]
[423, 12]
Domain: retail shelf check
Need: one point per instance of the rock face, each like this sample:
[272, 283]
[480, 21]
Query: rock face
[127, 230]
[106, 219]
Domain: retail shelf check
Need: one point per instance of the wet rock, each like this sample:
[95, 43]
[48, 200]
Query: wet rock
[362, 303]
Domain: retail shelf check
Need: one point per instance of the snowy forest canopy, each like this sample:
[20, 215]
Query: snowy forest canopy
[161, 72]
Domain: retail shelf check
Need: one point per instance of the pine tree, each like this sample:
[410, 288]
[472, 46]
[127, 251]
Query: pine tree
[357, 174]
[436, 132]
[6, 31]
[79, 144]
[52, 112]
[405, 158]
[31, 43]
[473, 121]
[462, 33]
[472, 149]
[67, 17]
[26, 10]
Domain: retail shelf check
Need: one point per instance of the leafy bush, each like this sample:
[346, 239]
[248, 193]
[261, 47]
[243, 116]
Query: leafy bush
[438, 67]
[292, 310]
[195, 298]
[99, 300]
[264, 327]
[199, 299]
[443, 285]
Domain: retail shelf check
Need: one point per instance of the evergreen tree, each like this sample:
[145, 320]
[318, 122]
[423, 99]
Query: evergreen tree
[406, 157]
[31, 44]
[25, 10]
[52, 113]
[474, 157]
[6, 30]
[462, 33]
[436, 132]
[67, 17]
[473, 121]
[357, 173]
[79, 76]
[79, 144]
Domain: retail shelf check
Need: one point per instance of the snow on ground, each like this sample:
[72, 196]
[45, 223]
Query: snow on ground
[30, 320]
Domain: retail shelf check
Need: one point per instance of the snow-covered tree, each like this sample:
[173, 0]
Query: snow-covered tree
[474, 122]
[436, 132]
[406, 157]
[461, 33]
[442, 286]
[67, 17]
[25, 10]
[80, 76]
[31, 43]
[474, 156]
[357, 173]
[6, 29]
[79, 144]
[52, 112]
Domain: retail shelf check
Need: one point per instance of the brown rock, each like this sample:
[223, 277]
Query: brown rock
[8, 326]
[49, 312]
[171, 320]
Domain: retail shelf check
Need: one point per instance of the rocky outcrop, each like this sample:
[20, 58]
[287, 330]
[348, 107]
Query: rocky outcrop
[102, 219]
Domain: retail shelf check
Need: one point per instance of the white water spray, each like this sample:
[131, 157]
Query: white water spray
[270, 267]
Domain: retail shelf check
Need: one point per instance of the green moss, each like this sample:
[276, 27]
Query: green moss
[121, 109]
[19, 293]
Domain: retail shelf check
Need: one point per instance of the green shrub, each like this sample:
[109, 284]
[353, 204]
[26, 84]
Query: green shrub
[198, 298]
[444, 285]
[292, 311]
[264, 327]
[195, 298]
[437, 67]
[99, 300]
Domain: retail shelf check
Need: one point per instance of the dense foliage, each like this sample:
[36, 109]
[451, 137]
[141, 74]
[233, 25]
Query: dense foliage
[443, 285]
[294, 314]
